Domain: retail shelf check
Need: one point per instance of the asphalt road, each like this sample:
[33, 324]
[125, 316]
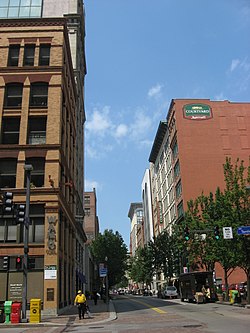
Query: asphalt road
[149, 314]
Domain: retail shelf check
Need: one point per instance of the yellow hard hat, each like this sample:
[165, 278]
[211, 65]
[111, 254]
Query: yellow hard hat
[79, 292]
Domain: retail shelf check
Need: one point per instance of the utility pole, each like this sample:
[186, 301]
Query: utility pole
[107, 284]
[28, 168]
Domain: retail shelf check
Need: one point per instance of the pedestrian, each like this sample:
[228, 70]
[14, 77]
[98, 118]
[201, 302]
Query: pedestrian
[203, 290]
[95, 297]
[81, 302]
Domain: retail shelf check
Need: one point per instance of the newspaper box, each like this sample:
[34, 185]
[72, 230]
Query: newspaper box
[35, 310]
[15, 316]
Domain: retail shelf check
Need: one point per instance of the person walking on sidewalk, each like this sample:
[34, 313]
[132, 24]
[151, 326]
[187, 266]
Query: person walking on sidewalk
[81, 302]
[95, 296]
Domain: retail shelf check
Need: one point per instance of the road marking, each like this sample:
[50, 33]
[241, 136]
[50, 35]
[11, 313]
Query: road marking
[149, 306]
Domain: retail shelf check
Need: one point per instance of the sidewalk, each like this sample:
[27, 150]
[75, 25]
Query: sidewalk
[99, 313]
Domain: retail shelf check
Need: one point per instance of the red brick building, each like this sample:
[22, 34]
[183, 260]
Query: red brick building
[189, 151]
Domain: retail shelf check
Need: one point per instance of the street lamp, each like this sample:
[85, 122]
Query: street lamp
[107, 284]
[28, 168]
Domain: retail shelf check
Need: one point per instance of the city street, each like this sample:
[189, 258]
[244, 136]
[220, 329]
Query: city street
[150, 314]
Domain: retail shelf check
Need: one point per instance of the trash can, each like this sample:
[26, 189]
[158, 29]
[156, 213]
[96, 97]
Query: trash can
[2, 316]
[15, 316]
[7, 311]
[35, 310]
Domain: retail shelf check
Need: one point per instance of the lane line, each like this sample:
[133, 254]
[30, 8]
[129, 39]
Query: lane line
[149, 306]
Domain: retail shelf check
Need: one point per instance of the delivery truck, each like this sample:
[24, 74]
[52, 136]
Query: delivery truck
[193, 284]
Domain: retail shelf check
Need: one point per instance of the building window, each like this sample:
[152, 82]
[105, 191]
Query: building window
[37, 130]
[37, 215]
[8, 231]
[39, 94]
[175, 150]
[178, 190]
[20, 8]
[8, 172]
[29, 55]
[13, 95]
[44, 55]
[87, 200]
[13, 57]
[180, 209]
[37, 174]
[87, 211]
[10, 130]
[177, 169]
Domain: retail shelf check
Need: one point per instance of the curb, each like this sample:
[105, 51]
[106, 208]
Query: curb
[112, 316]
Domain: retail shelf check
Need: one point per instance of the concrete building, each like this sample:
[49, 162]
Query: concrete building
[147, 207]
[136, 226]
[42, 70]
[91, 228]
[189, 151]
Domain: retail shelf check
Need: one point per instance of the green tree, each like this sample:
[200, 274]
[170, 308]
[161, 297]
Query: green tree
[165, 255]
[141, 266]
[237, 178]
[109, 247]
[223, 209]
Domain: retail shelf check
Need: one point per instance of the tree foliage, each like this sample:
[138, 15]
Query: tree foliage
[228, 208]
[110, 248]
[140, 267]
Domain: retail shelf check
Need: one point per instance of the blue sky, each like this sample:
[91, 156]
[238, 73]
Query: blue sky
[140, 55]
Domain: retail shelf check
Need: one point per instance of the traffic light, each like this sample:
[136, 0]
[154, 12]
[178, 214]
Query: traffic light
[216, 232]
[7, 202]
[186, 233]
[18, 263]
[20, 214]
[6, 263]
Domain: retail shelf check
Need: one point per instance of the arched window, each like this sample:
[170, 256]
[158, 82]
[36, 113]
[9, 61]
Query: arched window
[13, 95]
[39, 94]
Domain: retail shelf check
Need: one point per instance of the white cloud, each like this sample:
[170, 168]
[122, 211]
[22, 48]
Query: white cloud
[90, 184]
[155, 91]
[121, 131]
[240, 64]
[220, 97]
[99, 122]
[234, 64]
[142, 123]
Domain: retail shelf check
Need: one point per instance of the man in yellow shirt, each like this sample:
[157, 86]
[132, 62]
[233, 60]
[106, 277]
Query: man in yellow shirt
[80, 301]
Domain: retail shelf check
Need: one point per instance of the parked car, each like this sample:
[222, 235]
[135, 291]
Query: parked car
[170, 292]
[121, 291]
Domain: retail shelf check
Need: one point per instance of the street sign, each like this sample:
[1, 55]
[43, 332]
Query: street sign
[245, 230]
[103, 272]
[227, 233]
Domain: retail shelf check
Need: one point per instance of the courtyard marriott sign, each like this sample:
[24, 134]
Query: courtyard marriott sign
[197, 111]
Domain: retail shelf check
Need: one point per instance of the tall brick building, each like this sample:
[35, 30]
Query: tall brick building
[42, 69]
[188, 154]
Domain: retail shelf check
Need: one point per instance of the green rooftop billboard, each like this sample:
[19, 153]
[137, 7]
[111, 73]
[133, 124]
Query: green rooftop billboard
[197, 111]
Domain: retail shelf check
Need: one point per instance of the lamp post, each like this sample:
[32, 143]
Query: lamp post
[107, 284]
[28, 168]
